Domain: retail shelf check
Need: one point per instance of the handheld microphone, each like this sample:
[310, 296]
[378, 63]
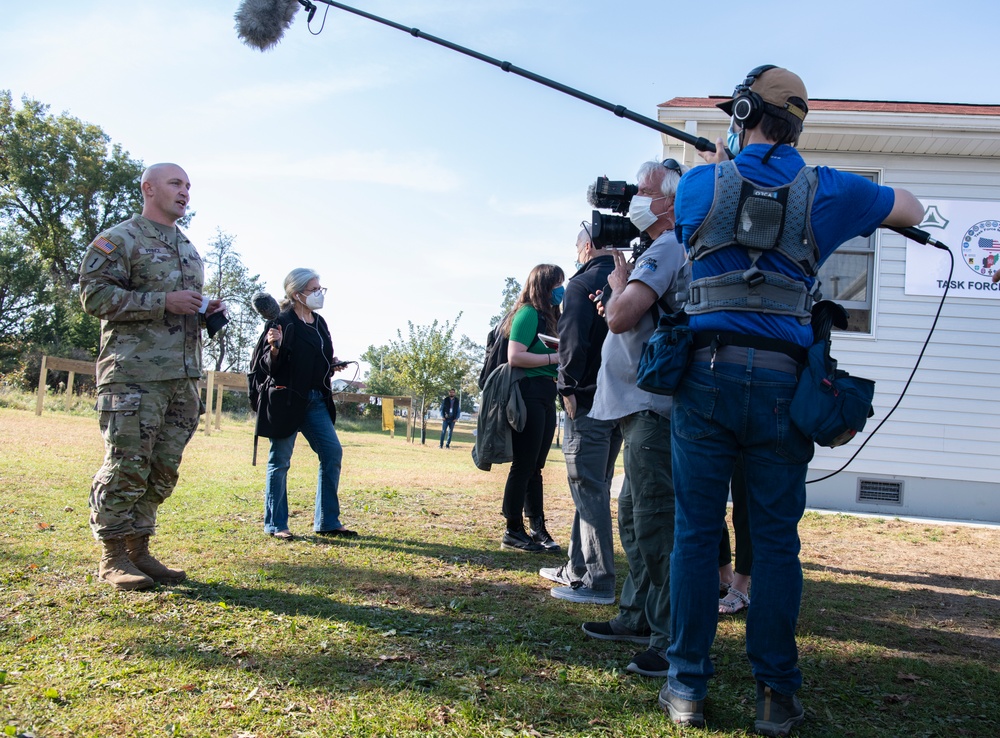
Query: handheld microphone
[266, 306]
[262, 23]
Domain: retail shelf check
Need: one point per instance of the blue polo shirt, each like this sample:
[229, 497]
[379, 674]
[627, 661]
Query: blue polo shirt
[846, 205]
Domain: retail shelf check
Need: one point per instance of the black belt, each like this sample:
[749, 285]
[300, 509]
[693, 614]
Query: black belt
[716, 340]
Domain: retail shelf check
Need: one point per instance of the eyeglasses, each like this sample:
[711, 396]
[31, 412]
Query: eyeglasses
[321, 290]
[673, 165]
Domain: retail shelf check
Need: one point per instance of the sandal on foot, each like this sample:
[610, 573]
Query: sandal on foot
[734, 602]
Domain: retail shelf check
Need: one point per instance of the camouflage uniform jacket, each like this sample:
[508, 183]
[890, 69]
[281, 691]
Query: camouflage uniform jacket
[124, 277]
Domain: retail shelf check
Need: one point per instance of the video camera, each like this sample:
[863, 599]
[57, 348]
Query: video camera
[614, 231]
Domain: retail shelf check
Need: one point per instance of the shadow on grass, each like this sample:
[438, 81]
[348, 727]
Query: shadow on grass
[919, 621]
[879, 660]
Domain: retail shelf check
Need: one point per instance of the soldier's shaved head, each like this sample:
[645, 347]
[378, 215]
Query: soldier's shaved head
[159, 171]
[165, 195]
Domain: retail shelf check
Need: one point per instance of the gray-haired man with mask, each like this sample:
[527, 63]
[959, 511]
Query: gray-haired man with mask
[640, 294]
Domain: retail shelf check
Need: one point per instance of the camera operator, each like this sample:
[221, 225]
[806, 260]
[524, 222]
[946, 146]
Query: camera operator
[646, 501]
[734, 398]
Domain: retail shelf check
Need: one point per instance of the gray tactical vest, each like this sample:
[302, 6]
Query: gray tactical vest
[758, 219]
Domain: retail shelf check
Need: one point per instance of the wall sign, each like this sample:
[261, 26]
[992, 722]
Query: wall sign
[971, 229]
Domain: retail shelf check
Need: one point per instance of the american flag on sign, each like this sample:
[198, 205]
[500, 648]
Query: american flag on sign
[989, 244]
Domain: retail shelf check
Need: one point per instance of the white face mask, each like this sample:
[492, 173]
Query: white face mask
[640, 212]
[314, 301]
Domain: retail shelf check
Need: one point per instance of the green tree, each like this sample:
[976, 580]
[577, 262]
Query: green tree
[21, 282]
[228, 279]
[511, 290]
[381, 379]
[21, 287]
[427, 362]
[61, 183]
[473, 354]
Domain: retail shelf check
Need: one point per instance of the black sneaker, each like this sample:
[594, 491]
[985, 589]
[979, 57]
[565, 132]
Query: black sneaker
[541, 536]
[649, 663]
[682, 711]
[518, 540]
[605, 631]
[777, 713]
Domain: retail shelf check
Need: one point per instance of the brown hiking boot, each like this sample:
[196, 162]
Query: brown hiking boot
[117, 570]
[138, 553]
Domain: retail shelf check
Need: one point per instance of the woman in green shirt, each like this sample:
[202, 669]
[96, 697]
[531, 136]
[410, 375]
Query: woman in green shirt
[536, 311]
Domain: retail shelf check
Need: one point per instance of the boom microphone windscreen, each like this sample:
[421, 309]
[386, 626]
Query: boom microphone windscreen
[261, 23]
[266, 306]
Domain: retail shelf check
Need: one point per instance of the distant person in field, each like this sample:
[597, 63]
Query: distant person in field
[450, 410]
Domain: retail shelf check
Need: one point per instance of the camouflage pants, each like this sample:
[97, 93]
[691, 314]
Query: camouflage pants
[145, 429]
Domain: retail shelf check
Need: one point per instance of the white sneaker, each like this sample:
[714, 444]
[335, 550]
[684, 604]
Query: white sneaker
[557, 574]
[580, 593]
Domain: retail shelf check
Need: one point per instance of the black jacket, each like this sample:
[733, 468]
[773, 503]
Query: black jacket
[302, 364]
[450, 409]
[582, 331]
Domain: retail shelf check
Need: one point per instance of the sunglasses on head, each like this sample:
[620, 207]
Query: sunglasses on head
[673, 165]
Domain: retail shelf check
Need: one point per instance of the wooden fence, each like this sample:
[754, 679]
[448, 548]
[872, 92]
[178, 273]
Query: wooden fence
[214, 384]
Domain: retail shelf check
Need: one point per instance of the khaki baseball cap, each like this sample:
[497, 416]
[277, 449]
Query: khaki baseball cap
[780, 88]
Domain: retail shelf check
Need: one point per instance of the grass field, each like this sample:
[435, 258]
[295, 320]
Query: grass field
[423, 626]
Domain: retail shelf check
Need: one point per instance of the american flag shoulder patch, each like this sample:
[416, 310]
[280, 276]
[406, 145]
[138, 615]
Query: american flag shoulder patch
[103, 245]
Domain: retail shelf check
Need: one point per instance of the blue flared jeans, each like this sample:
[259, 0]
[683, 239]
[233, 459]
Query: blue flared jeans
[318, 429]
[717, 414]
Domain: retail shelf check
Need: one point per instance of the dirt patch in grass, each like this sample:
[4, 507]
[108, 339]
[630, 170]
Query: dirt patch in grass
[935, 583]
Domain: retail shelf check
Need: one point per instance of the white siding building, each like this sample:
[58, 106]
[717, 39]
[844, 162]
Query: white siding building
[939, 453]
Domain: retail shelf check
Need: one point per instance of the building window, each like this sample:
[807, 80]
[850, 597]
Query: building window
[848, 277]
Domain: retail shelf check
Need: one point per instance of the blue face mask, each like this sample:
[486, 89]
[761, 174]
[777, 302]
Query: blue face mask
[733, 139]
[557, 295]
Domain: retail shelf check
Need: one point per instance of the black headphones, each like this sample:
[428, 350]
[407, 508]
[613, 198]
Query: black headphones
[748, 107]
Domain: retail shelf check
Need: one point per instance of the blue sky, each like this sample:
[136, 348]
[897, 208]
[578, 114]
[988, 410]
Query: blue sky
[415, 179]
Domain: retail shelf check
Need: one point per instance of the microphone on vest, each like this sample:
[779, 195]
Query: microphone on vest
[266, 306]
[262, 23]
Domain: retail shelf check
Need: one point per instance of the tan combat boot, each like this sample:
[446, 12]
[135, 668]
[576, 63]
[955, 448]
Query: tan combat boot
[118, 571]
[138, 553]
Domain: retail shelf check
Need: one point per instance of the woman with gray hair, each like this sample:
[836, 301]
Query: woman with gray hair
[301, 363]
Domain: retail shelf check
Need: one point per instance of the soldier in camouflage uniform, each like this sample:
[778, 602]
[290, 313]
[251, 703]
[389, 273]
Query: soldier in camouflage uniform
[143, 279]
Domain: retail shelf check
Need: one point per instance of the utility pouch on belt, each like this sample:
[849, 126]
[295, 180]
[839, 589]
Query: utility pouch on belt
[666, 355]
[830, 406]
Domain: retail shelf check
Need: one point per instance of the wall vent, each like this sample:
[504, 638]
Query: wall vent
[880, 491]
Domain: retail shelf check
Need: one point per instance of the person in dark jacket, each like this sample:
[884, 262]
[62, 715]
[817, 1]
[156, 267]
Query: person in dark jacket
[301, 363]
[450, 410]
[590, 446]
